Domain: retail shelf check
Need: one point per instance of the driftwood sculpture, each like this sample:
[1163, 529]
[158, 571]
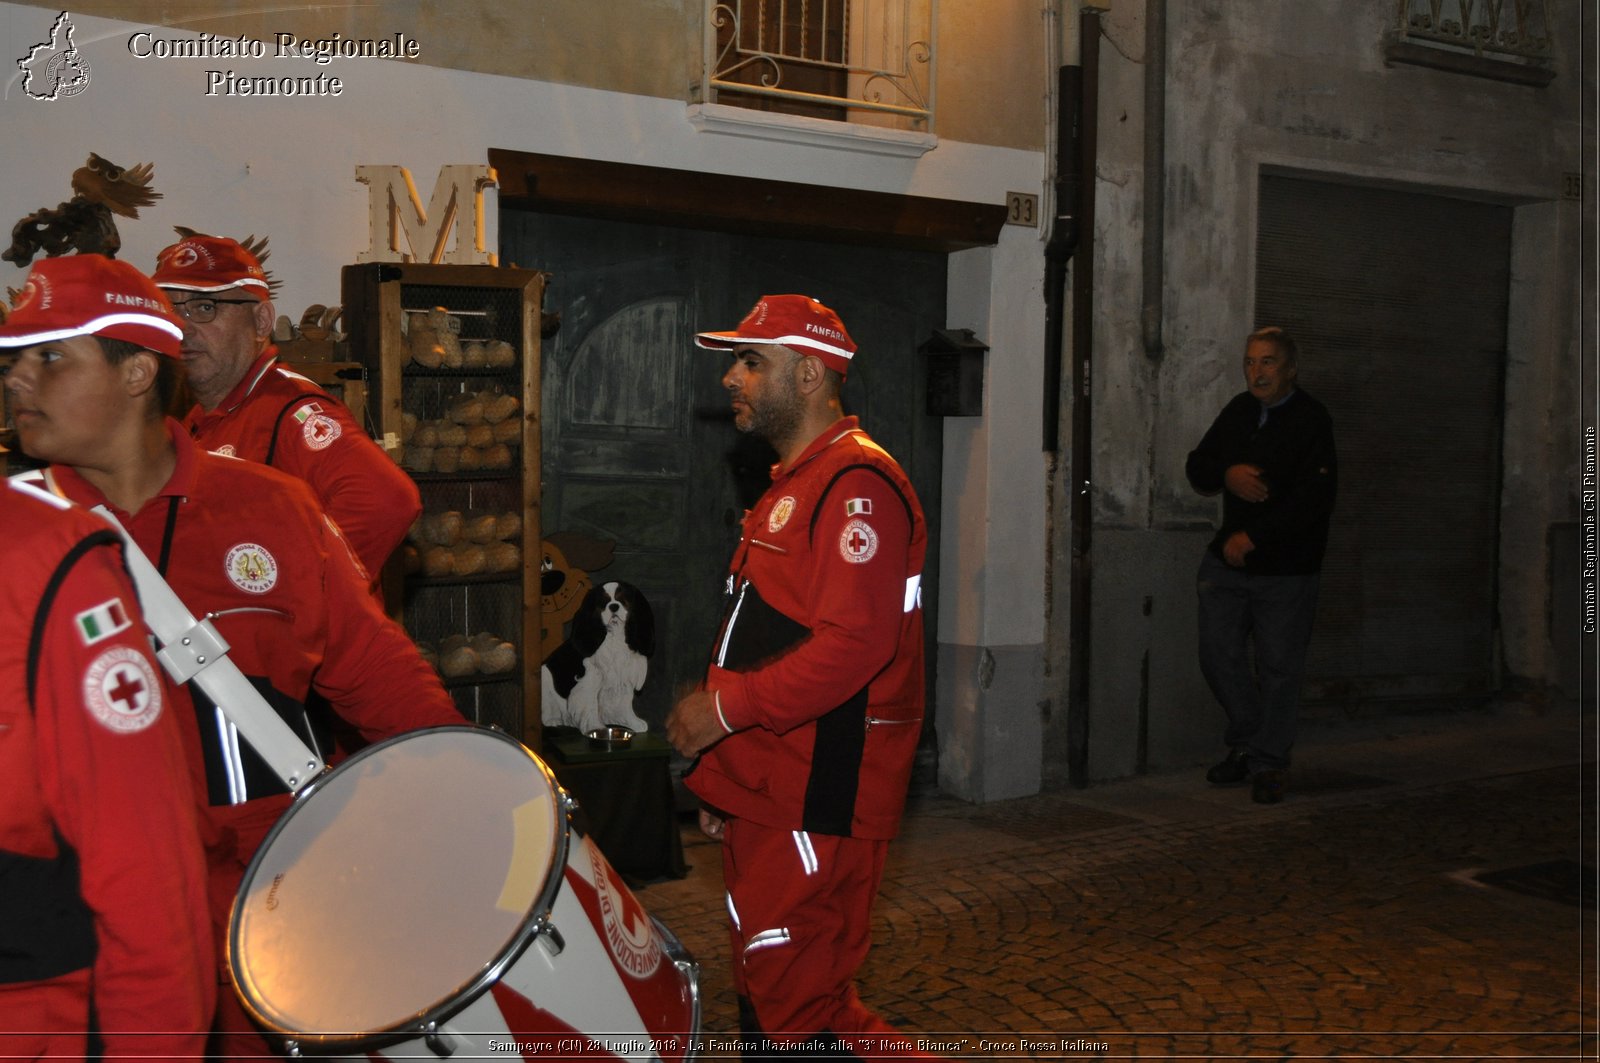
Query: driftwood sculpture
[85, 224]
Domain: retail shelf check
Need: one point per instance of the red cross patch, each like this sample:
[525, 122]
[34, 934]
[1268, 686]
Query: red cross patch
[319, 431]
[858, 542]
[120, 689]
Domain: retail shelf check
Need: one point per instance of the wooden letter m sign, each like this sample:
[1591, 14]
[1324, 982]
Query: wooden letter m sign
[402, 232]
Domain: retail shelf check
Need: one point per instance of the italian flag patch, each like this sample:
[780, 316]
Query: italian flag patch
[306, 411]
[857, 506]
[101, 622]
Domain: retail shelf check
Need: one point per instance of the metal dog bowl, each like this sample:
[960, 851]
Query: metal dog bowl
[609, 737]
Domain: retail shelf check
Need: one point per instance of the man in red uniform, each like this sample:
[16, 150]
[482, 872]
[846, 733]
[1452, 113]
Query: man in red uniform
[102, 882]
[236, 540]
[248, 406]
[810, 715]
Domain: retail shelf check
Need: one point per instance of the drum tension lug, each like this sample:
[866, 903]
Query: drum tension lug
[439, 1043]
[552, 940]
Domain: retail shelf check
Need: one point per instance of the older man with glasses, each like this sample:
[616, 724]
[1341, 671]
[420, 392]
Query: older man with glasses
[249, 406]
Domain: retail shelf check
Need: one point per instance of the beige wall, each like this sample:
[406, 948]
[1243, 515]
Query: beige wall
[991, 69]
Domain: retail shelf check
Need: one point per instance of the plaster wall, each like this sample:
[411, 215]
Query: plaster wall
[992, 568]
[1256, 85]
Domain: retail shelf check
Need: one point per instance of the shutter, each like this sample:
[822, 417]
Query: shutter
[1398, 302]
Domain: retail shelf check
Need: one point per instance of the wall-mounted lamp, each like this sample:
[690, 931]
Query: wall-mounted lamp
[955, 373]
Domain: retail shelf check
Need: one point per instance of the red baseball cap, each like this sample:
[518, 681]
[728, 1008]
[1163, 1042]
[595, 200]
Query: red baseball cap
[211, 264]
[91, 295]
[794, 321]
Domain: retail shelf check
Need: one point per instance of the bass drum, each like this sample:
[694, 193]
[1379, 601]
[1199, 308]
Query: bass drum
[429, 897]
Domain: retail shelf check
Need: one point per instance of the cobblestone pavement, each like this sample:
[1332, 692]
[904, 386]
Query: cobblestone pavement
[1161, 917]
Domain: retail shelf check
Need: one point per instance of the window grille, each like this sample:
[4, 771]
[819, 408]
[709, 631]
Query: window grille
[866, 61]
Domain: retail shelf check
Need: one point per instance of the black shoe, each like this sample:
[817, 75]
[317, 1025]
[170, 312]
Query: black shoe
[1231, 772]
[1267, 786]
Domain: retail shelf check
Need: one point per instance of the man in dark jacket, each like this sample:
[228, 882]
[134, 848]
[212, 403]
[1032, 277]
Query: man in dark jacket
[1270, 452]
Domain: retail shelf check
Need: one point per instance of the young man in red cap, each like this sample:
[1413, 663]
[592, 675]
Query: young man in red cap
[238, 541]
[810, 714]
[103, 918]
[248, 406]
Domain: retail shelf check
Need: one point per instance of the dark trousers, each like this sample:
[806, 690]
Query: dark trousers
[1260, 692]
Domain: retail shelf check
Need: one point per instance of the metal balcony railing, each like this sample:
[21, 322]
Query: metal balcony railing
[868, 61]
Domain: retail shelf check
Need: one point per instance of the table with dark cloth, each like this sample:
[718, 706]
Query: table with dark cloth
[625, 800]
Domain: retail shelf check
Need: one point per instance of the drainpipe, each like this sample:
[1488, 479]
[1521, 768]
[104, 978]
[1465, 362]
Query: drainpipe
[1155, 174]
[1063, 243]
[1082, 353]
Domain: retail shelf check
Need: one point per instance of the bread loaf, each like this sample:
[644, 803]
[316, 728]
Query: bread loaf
[466, 410]
[501, 355]
[479, 528]
[447, 527]
[438, 561]
[508, 525]
[461, 661]
[447, 459]
[468, 560]
[501, 657]
[497, 408]
[502, 557]
[418, 458]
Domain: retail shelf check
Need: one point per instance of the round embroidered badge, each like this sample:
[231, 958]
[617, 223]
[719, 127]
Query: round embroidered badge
[782, 510]
[858, 542]
[251, 568]
[121, 690]
[319, 431]
[226, 451]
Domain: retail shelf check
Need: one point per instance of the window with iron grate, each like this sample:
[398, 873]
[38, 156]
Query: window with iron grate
[778, 44]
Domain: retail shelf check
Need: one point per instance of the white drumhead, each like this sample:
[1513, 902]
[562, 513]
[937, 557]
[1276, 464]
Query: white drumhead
[394, 887]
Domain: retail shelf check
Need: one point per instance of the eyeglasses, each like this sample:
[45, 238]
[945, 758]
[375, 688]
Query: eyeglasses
[202, 311]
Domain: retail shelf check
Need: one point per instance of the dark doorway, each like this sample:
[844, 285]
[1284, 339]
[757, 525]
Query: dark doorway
[1399, 301]
[639, 445]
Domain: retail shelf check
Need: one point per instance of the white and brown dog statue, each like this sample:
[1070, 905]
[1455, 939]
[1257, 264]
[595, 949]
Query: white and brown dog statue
[590, 680]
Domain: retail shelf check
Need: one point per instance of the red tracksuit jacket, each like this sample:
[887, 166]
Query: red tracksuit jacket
[102, 881]
[819, 665]
[277, 417]
[248, 543]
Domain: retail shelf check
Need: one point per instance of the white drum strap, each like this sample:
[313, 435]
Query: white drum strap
[195, 650]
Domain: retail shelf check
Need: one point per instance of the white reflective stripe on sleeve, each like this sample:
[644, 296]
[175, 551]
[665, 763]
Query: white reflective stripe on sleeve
[808, 854]
[767, 939]
[913, 592]
[733, 913]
